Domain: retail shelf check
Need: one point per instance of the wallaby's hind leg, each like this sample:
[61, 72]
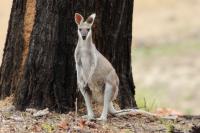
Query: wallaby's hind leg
[111, 109]
[115, 112]
[90, 113]
[107, 99]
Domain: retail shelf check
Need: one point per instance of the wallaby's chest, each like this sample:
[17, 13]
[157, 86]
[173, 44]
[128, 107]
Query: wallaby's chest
[84, 58]
[84, 52]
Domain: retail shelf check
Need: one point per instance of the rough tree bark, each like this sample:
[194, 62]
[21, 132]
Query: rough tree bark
[38, 63]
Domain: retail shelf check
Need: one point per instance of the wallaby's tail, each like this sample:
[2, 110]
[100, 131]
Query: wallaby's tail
[128, 111]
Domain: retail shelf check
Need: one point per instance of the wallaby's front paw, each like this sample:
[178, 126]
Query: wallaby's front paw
[88, 117]
[102, 119]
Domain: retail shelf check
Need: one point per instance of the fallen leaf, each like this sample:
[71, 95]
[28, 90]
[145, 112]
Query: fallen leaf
[91, 124]
[36, 128]
[82, 123]
[63, 124]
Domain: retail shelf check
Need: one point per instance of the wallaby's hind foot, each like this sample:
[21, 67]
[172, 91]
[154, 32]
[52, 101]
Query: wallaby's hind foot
[88, 117]
[123, 112]
[102, 119]
[111, 109]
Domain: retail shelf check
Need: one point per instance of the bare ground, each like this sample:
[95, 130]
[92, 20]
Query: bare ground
[12, 121]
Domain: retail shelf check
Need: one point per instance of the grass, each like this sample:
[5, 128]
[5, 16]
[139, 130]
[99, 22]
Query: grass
[159, 81]
[169, 50]
[147, 104]
[145, 100]
[169, 125]
[149, 98]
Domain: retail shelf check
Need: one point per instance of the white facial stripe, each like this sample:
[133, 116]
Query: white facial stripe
[84, 32]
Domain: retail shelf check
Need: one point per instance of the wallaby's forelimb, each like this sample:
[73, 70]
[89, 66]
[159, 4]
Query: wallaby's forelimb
[92, 69]
[80, 81]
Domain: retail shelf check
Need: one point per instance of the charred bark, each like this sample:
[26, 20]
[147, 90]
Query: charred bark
[39, 68]
[12, 50]
[113, 39]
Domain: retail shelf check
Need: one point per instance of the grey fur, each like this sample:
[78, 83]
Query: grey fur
[94, 70]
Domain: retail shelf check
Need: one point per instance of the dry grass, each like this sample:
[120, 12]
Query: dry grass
[6, 102]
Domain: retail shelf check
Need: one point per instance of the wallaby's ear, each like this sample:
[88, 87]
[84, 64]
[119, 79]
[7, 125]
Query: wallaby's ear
[78, 18]
[90, 19]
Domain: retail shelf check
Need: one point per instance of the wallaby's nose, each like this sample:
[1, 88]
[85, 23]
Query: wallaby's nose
[84, 33]
[84, 37]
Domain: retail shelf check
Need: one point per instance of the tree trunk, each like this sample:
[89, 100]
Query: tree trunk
[38, 65]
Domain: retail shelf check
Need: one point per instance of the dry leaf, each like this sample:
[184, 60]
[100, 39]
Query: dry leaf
[36, 128]
[82, 123]
[91, 124]
[63, 124]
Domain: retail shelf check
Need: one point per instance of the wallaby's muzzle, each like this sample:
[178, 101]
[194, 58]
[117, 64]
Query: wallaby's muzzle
[84, 37]
[84, 32]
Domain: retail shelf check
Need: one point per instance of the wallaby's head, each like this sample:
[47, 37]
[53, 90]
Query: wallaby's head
[84, 27]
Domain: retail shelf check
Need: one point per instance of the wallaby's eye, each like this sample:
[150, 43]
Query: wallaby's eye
[88, 29]
[80, 29]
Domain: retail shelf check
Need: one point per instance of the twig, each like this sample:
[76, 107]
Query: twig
[76, 112]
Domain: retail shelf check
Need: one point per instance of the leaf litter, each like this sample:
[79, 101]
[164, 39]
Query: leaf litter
[45, 121]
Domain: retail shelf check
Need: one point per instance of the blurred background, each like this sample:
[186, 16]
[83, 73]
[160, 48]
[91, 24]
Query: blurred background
[5, 8]
[165, 53]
